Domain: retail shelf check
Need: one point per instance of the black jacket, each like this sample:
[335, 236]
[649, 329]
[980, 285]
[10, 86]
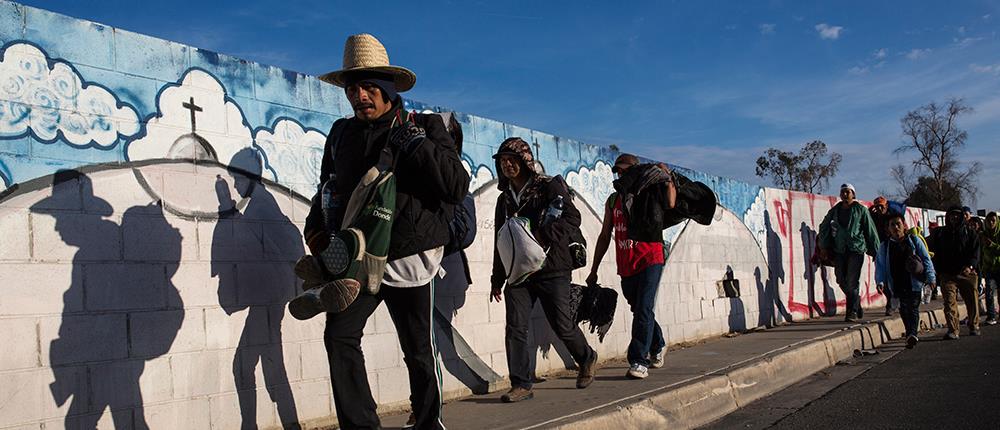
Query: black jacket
[430, 179]
[556, 236]
[644, 188]
[955, 247]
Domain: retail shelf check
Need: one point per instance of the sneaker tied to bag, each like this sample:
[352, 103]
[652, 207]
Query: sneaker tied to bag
[637, 371]
[656, 361]
[587, 371]
[516, 394]
[334, 296]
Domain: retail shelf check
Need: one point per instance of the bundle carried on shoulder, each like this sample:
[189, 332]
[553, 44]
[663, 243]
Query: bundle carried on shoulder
[643, 189]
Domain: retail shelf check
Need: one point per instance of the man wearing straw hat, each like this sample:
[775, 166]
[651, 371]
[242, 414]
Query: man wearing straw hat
[430, 182]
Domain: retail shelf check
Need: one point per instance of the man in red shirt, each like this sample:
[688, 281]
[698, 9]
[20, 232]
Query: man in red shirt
[640, 265]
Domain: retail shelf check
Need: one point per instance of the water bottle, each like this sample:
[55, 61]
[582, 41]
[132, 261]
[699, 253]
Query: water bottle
[554, 211]
[330, 202]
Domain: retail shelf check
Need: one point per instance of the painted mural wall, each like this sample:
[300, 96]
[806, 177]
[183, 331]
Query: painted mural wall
[152, 197]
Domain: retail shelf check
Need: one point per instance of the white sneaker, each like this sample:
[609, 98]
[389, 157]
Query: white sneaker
[637, 371]
[656, 361]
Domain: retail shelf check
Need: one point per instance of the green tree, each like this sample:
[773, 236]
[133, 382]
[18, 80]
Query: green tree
[932, 132]
[809, 170]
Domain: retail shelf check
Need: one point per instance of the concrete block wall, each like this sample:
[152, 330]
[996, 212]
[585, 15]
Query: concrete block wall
[147, 279]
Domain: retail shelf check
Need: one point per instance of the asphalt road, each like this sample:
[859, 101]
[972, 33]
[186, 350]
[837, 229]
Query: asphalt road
[937, 385]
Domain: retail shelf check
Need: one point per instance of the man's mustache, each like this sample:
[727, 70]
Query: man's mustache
[361, 106]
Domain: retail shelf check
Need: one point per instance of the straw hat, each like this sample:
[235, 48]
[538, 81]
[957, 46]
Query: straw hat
[365, 52]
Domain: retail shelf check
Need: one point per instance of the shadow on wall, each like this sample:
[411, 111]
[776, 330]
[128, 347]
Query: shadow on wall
[737, 313]
[768, 297]
[252, 256]
[457, 355]
[131, 310]
[828, 306]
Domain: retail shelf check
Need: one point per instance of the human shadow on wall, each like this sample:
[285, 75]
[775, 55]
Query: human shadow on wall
[768, 297]
[737, 313]
[253, 253]
[457, 355]
[130, 312]
[829, 308]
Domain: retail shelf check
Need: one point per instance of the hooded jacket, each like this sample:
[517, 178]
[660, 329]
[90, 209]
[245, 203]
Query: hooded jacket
[859, 236]
[991, 249]
[883, 266]
[538, 194]
[430, 179]
[955, 246]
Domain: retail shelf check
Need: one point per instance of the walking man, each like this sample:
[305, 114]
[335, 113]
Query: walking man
[640, 265]
[893, 272]
[991, 264]
[848, 231]
[524, 192]
[880, 214]
[430, 181]
[956, 255]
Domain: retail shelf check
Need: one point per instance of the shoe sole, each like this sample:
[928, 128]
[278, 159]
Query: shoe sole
[631, 375]
[305, 306]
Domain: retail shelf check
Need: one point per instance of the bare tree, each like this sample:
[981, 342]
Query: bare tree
[932, 132]
[809, 170]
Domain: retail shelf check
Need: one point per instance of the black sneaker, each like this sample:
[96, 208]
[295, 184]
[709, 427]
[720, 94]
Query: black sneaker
[911, 341]
[587, 372]
[951, 336]
[974, 332]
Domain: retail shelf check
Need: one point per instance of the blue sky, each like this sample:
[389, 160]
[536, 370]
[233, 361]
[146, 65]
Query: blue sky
[707, 85]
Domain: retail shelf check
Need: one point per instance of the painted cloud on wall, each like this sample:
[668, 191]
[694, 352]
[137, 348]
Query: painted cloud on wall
[54, 101]
[482, 176]
[593, 185]
[4, 176]
[194, 120]
[293, 154]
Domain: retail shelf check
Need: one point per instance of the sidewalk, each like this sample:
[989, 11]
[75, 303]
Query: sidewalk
[698, 384]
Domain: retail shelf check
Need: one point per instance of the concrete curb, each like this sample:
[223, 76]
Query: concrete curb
[714, 395]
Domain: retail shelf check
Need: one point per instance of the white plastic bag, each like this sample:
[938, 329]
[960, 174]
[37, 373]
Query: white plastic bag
[520, 253]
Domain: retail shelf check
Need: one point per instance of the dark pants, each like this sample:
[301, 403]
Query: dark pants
[640, 293]
[848, 273]
[909, 310]
[553, 293]
[991, 295]
[410, 309]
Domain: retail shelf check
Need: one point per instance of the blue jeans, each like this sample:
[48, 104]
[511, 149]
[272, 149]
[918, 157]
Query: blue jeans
[991, 295]
[640, 293]
[909, 310]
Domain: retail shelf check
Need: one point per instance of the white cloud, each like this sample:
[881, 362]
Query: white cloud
[858, 70]
[987, 17]
[966, 42]
[767, 28]
[829, 32]
[989, 68]
[293, 153]
[961, 30]
[916, 54]
[217, 123]
[53, 101]
[881, 53]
